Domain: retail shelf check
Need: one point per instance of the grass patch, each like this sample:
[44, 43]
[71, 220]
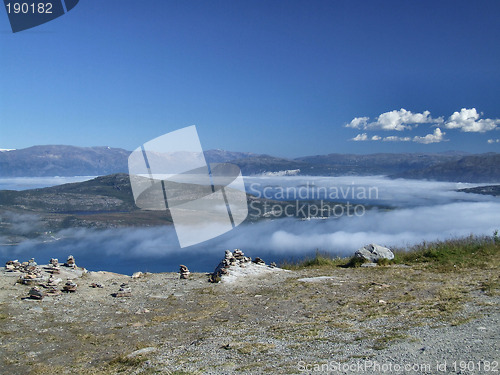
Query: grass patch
[450, 255]
[320, 259]
[454, 254]
[124, 360]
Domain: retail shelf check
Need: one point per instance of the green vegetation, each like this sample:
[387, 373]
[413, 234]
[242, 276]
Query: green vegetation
[320, 259]
[454, 254]
[449, 255]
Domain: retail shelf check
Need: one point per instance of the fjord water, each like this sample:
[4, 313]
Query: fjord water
[409, 212]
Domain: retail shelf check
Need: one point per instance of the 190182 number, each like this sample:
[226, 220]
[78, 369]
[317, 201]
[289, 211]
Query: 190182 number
[29, 8]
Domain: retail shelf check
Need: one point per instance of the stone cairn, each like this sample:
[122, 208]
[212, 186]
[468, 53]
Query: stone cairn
[32, 274]
[124, 291]
[184, 272]
[258, 260]
[36, 293]
[54, 266]
[70, 262]
[231, 259]
[70, 287]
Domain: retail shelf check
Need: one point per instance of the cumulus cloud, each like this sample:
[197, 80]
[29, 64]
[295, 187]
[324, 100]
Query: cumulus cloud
[467, 120]
[436, 137]
[360, 137]
[394, 138]
[358, 123]
[490, 141]
[398, 120]
[364, 137]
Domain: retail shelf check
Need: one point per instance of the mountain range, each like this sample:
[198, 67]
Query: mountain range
[61, 160]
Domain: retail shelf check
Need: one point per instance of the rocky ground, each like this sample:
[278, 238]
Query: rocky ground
[312, 320]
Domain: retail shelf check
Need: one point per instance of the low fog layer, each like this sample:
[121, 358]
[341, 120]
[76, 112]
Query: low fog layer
[428, 211]
[25, 183]
[378, 190]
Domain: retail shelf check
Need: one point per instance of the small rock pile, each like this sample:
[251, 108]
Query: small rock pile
[36, 293]
[54, 266]
[231, 259]
[184, 272]
[52, 281]
[258, 260]
[70, 287]
[13, 265]
[124, 291]
[31, 272]
[70, 262]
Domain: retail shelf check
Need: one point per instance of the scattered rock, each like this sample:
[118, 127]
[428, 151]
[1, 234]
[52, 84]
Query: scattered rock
[373, 253]
[136, 275]
[142, 351]
[380, 285]
[54, 262]
[184, 272]
[96, 285]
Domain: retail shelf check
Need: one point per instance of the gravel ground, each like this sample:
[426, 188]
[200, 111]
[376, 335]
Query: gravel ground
[391, 319]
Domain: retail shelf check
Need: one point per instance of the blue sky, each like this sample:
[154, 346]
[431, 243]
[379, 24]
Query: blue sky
[280, 77]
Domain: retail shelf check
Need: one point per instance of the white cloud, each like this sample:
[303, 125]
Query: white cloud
[364, 137]
[493, 140]
[436, 137]
[467, 120]
[358, 123]
[395, 120]
[360, 137]
[394, 138]
[424, 210]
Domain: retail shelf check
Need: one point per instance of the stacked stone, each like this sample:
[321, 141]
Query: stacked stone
[184, 272]
[13, 265]
[235, 258]
[70, 286]
[54, 266]
[70, 262]
[52, 281]
[36, 293]
[124, 291]
[53, 291]
[258, 260]
[33, 275]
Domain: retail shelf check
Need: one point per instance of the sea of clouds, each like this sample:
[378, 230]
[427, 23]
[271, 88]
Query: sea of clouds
[421, 210]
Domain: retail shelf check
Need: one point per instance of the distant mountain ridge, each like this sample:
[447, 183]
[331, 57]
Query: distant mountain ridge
[60, 160]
